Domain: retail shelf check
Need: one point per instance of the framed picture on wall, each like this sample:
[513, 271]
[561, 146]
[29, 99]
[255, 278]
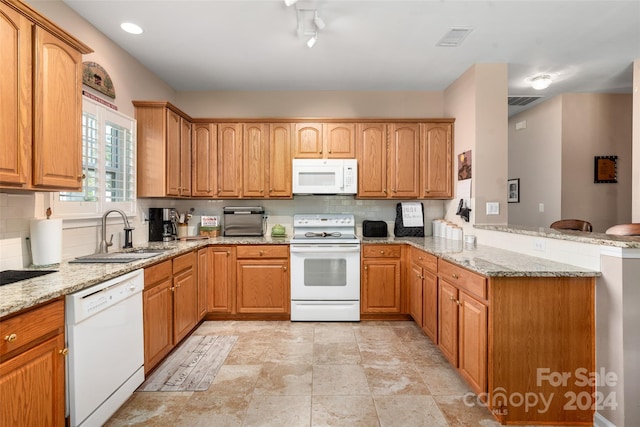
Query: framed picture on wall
[605, 169]
[513, 188]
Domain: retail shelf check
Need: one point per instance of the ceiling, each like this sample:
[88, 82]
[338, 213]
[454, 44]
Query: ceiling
[378, 45]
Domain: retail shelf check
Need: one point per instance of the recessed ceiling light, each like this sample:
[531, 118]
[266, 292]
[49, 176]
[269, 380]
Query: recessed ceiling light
[131, 28]
[541, 82]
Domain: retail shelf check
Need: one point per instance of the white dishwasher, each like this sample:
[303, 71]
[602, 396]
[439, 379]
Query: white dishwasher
[106, 347]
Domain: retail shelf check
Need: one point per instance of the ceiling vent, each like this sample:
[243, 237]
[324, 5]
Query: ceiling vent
[454, 37]
[522, 100]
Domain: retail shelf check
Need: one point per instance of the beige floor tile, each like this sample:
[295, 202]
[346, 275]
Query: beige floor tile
[409, 411]
[207, 410]
[329, 333]
[339, 380]
[343, 411]
[278, 411]
[246, 352]
[443, 380]
[279, 380]
[334, 353]
[381, 353]
[290, 353]
[235, 379]
[459, 414]
[408, 331]
[390, 380]
[150, 409]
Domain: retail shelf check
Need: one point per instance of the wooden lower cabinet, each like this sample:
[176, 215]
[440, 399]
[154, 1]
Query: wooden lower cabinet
[423, 295]
[170, 306]
[262, 279]
[222, 280]
[381, 279]
[32, 367]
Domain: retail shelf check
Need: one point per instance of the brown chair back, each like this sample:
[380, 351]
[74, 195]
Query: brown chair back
[624, 230]
[572, 224]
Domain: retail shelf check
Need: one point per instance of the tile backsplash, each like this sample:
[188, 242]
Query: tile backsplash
[82, 237]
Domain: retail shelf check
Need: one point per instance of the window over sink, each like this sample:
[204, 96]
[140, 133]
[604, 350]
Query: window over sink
[108, 165]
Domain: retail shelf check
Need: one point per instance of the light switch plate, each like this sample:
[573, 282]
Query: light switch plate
[493, 208]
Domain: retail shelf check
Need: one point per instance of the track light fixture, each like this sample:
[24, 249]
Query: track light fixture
[312, 41]
[318, 21]
[290, 2]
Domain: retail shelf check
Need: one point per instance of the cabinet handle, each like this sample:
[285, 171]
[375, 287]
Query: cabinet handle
[64, 351]
[455, 276]
[11, 338]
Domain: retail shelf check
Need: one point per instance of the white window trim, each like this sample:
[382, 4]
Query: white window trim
[78, 211]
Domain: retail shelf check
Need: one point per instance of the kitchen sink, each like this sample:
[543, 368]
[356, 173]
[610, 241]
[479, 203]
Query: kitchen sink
[129, 255]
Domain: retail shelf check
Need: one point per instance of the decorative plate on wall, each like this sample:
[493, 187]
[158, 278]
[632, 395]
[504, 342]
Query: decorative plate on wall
[96, 77]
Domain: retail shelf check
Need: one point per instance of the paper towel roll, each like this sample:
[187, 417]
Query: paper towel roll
[46, 241]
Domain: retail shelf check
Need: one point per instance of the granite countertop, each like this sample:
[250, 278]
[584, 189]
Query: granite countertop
[74, 277]
[489, 261]
[602, 239]
[70, 278]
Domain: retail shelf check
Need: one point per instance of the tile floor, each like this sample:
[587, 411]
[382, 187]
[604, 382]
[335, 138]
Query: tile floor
[317, 374]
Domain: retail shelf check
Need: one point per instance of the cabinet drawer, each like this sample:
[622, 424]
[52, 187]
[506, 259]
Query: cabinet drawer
[23, 329]
[183, 262]
[462, 278]
[424, 259]
[157, 273]
[262, 251]
[381, 251]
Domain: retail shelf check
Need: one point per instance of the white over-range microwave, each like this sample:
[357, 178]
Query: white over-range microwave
[325, 176]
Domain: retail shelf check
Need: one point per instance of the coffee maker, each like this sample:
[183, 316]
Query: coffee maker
[162, 224]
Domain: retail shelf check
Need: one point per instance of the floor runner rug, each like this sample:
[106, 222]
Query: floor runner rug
[192, 366]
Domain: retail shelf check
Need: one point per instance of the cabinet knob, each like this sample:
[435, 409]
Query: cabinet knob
[11, 338]
[455, 276]
[64, 351]
[384, 191]
[81, 177]
[172, 288]
[382, 252]
[261, 191]
[451, 298]
[366, 267]
[271, 190]
[261, 253]
[228, 252]
[285, 268]
[458, 302]
[394, 190]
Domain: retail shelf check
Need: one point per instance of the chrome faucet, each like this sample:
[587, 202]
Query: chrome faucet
[128, 241]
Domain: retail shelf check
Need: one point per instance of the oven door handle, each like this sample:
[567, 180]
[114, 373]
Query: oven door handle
[324, 248]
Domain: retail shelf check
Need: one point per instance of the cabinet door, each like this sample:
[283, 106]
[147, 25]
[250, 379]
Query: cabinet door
[437, 160]
[381, 286]
[222, 280]
[185, 304]
[263, 286]
[340, 140]
[158, 323]
[473, 342]
[185, 158]
[308, 141]
[58, 104]
[371, 150]
[173, 153]
[430, 305]
[448, 321]
[32, 386]
[229, 160]
[415, 294]
[15, 87]
[255, 152]
[204, 159]
[404, 160]
[203, 279]
[280, 174]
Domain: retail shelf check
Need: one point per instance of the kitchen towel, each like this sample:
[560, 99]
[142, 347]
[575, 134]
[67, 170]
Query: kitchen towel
[46, 241]
[412, 215]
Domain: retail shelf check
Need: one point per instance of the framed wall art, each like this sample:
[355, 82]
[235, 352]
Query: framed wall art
[513, 188]
[605, 169]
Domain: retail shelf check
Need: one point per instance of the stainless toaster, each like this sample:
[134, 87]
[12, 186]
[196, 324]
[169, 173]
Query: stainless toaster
[243, 221]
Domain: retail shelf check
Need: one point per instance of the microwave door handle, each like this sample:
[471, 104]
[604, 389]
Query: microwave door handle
[340, 179]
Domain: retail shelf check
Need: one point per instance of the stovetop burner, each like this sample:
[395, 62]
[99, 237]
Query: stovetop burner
[11, 276]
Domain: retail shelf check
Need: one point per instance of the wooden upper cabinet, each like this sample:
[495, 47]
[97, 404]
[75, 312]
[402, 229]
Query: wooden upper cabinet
[280, 173]
[173, 153]
[325, 141]
[404, 160]
[41, 108]
[436, 148]
[255, 152]
[185, 157]
[16, 89]
[229, 160]
[371, 152]
[340, 140]
[204, 139]
[308, 141]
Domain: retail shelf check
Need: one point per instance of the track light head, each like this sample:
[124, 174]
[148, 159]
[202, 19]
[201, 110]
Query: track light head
[290, 2]
[318, 21]
[312, 41]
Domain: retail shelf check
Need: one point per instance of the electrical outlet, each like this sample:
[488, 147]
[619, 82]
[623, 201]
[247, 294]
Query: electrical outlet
[493, 208]
[541, 207]
[539, 245]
